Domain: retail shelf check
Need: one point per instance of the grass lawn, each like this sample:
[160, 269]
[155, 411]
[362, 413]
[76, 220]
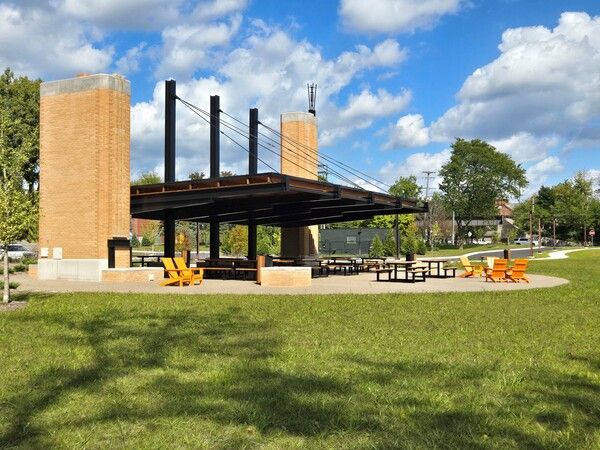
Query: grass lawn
[495, 370]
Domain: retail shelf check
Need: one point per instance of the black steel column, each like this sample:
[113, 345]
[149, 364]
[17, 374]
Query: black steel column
[215, 150]
[253, 142]
[215, 135]
[252, 170]
[169, 222]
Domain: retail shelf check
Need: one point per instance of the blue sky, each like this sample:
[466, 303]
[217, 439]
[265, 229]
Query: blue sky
[398, 79]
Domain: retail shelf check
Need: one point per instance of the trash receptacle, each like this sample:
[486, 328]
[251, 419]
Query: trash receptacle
[507, 253]
[119, 252]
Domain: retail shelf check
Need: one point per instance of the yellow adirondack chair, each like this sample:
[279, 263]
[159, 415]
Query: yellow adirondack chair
[498, 271]
[195, 273]
[471, 270]
[517, 272]
[176, 276]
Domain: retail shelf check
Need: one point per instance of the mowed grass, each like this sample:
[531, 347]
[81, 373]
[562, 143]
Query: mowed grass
[495, 370]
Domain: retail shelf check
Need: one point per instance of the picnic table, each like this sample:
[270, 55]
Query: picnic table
[142, 260]
[411, 273]
[441, 272]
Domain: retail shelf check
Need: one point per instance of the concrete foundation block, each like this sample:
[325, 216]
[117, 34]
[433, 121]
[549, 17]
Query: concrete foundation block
[286, 276]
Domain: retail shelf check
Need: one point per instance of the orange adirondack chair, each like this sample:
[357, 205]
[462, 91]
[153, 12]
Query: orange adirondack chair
[195, 273]
[517, 272]
[498, 271]
[176, 276]
[471, 270]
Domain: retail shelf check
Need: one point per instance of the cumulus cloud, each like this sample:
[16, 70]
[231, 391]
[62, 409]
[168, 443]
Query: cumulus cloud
[544, 83]
[130, 14]
[524, 147]
[409, 131]
[38, 42]
[538, 173]
[130, 62]
[269, 71]
[188, 47]
[416, 164]
[393, 16]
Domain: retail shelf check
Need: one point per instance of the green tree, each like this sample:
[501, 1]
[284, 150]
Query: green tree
[16, 205]
[148, 178]
[197, 175]
[475, 177]
[389, 243]
[406, 187]
[235, 241]
[376, 250]
[268, 240]
[20, 99]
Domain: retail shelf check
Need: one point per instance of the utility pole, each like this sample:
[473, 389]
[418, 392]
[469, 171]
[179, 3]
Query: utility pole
[453, 222]
[539, 235]
[531, 225]
[429, 175]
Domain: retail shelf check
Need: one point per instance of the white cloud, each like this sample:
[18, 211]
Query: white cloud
[392, 16]
[409, 131]
[524, 147]
[544, 83]
[130, 62]
[188, 47]
[361, 111]
[38, 42]
[539, 172]
[129, 14]
[416, 164]
[208, 10]
[269, 71]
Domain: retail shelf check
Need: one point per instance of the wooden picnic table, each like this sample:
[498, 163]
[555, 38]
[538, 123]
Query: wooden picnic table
[410, 272]
[439, 269]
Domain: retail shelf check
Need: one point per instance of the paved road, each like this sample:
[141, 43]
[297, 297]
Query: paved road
[516, 253]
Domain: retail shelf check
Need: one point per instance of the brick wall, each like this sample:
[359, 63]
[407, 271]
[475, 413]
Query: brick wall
[84, 164]
[299, 160]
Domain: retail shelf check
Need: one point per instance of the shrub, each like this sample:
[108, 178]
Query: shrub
[12, 285]
[147, 240]
[20, 268]
[389, 244]
[376, 250]
[135, 242]
[10, 270]
[28, 261]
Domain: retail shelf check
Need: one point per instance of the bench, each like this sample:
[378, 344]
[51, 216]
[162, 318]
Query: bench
[388, 271]
[450, 269]
[417, 272]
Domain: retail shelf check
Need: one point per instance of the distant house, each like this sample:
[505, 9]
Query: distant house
[500, 226]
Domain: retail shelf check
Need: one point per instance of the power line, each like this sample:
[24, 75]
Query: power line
[341, 165]
[230, 138]
[246, 134]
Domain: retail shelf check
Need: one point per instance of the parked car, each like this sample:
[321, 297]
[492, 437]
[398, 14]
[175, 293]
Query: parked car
[17, 252]
[525, 241]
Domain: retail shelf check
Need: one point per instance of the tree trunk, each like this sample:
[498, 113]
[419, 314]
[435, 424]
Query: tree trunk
[6, 294]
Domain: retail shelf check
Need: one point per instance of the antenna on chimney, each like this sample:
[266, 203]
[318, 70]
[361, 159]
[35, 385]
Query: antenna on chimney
[312, 98]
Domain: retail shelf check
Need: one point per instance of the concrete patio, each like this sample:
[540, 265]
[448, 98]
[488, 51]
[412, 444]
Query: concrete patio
[364, 283]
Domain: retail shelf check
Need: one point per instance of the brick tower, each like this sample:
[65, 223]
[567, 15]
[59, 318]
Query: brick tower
[299, 151]
[84, 175]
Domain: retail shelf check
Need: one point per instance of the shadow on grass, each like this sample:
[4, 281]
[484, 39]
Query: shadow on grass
[219, 367]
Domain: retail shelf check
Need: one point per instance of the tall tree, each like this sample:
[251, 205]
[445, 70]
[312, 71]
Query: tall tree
[406, 187]
[197, 175]
[475, 177]
[148, 178]
[20, 98]
[16, 205]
